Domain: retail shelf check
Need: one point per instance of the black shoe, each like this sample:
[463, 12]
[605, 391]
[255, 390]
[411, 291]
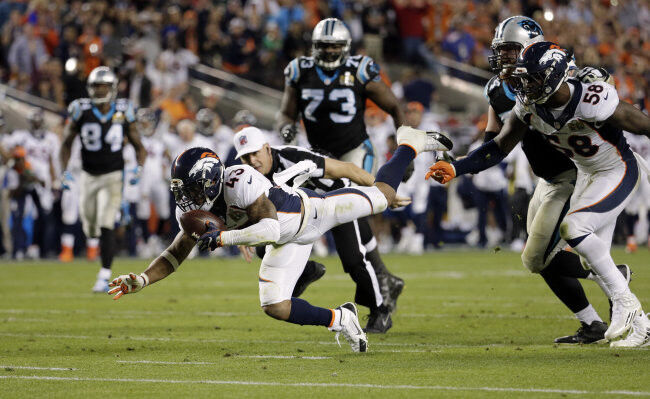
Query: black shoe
[313, 271]
[390, 287]
[379, 321]
[627, 273]
[586, 334]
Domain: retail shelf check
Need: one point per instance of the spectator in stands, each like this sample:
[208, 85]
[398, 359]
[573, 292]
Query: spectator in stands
[239, 48]
[26, 56]
[140, 85]
[409, 15]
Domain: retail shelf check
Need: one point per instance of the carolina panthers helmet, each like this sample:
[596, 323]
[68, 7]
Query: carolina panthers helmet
[328, 32]
[146, 121]
[197, 179]
[539, 72]
[204, 119]
[514, 33]
[102, 76]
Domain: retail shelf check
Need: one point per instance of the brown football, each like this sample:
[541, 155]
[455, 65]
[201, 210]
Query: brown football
[194, 222]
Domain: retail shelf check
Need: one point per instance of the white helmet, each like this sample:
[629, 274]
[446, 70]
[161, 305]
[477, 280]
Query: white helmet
[102, 76]
[330, 31]
[516, 32]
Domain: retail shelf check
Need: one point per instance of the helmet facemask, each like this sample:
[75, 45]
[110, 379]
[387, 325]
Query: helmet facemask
[201, 189]
[534, 87]
[330, 55]
[102, 93]
[503, 58]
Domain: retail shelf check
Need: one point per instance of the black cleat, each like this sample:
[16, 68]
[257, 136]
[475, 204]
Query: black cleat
[627, 273]
[593, 333]
[379, 321]
[390, 287]
[313, 271]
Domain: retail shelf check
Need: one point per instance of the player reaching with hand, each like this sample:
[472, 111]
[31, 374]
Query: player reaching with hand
[287, 221]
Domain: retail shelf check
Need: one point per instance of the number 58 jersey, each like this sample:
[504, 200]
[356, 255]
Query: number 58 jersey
[332, 103]
[102, 135]
[580, 130]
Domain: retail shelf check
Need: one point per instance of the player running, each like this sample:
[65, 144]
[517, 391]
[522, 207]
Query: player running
[286, 221]
[328, 91]
[102, 122]
[543, 253]
[585, 122]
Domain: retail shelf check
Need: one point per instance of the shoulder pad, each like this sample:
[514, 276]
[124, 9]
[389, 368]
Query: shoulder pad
[126, 106]
[292, 71]
[367, 71]
[493, 84]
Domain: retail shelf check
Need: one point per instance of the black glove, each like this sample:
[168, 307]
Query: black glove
[288, 132]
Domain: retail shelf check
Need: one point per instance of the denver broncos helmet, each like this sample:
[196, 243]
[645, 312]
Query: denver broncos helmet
[539, 72]
[197, 179]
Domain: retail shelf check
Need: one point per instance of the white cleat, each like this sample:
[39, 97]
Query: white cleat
[101, 286]
[625, 307]
[351, 329]
[422, 141]
[639, 337]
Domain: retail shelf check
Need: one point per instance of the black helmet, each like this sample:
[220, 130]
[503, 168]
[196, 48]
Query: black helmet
[197, 177]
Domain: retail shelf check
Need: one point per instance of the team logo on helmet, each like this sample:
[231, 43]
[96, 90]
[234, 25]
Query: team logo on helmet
[531, 27]
[203, 167]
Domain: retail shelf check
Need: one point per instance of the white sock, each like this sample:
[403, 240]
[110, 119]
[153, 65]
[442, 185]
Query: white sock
[67, 240]
[336, 325]
[596, 252]
[104, 274]
[588, 315]
[92, 242]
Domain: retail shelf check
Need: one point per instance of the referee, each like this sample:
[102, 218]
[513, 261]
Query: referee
[253, 149]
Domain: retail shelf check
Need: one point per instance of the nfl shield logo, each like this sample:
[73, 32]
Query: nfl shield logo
[243, 140]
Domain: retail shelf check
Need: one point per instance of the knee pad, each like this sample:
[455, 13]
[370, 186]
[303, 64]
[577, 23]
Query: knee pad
[532, 261]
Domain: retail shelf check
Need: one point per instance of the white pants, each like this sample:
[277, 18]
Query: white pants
[283, 264]
[100, 198]
[156, 191]
[546, 209]
[70, 202]
[597, 201]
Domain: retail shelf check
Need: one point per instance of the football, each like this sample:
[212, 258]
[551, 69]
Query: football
[194, 222]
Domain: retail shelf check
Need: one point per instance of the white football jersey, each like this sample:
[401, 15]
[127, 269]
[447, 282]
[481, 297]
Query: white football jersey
[577, 129]
[40, 152]
[155, 163]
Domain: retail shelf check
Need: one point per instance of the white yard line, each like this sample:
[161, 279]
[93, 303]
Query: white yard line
[38, 368]
[251, 341]
[335, 385]
[243, 356]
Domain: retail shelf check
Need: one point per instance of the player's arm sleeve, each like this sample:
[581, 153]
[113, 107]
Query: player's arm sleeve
[597, 105]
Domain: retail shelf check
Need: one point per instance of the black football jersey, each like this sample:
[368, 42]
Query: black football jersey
[102, 135]
[544, 159]
[332, 103]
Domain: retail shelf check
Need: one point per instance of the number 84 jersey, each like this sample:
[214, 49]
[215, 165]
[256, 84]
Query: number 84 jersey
[580, 130]
[332, 103]
[102, 135]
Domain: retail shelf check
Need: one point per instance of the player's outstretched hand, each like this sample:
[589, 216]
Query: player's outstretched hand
[441, 171]
[400, 201]
[211, 239]
[127, 284]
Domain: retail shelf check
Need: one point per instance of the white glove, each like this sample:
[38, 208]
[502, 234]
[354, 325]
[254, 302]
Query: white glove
[127, 284]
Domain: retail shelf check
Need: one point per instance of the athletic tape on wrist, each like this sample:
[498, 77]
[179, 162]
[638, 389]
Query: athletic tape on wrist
[170, 258]
[145, 278]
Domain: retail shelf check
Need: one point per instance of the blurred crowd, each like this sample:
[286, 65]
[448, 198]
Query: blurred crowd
[48, 47]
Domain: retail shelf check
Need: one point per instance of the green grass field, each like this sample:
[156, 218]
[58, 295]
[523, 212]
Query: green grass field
[469, 324]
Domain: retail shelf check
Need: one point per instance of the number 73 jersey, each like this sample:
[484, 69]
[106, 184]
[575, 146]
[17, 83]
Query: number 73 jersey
[580, 130]
[102, 135]
[332, 103]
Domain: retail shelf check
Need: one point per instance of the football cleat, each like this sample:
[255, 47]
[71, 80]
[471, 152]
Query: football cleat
[624, 310]
[101, 286]
[627, 273]
[390, 287]
[422, 141]
[351, 329]
[313, 271]
[640, 335]
[379, 321]
[66, 255]
[593, 333]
